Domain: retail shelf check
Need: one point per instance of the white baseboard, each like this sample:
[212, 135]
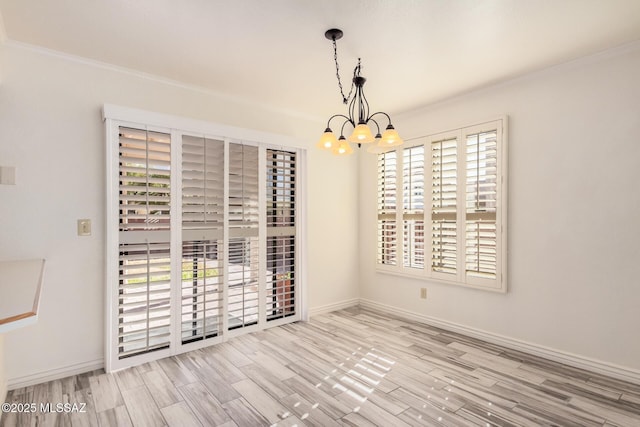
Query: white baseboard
[80, 368]
[592, 365]
[577, 361]
[54, 374]
[333, 307]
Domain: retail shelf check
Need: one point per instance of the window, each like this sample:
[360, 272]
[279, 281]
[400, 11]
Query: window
[458, 233]
[202, 239]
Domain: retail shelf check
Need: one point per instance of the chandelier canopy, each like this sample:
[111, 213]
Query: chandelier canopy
[359, 118]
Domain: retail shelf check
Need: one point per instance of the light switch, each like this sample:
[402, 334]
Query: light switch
[84, 227]
[8, 175]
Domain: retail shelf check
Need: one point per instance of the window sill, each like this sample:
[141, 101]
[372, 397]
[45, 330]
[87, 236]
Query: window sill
[424, 278]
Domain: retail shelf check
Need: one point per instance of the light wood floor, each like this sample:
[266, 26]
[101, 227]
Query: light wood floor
[352, 367]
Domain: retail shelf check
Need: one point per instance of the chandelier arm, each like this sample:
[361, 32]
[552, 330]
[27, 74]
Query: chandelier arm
[377, 125]
[352, 108]
[334, 116]
[380, 112]
[343, 124]
[364, 107]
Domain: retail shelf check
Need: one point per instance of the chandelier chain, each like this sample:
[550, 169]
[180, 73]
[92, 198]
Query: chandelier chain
[345, 99]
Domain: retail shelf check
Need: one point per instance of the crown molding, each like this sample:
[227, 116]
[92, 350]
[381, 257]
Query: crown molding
[158, 79]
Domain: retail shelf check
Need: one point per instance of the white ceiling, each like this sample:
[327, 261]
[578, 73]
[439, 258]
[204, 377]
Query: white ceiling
[414, 52]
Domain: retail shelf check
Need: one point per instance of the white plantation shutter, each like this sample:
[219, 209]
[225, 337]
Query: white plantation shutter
[444, 205]
[481, 202]
[144, 171]
[281, 234]
[202, 184]
[281, 277]
[464, 171]
[202, 236]
[242, 296]
[243, 269]
[202, 233]
[413, 206]
[387, 239]
[281, 188]
[201, 296]
[243, 189]
[144, 298]
[144, 160]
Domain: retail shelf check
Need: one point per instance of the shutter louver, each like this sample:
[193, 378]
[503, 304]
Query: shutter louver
[202, 184]
[443, 206]
[281, 188]
[243, 270]
[281, 277]
[143, 298]
[242, 296]
[387, 231]
[202, 281]
[481, 202]
[144, 169]
[413, 206]
[281, 230]
[243, 188]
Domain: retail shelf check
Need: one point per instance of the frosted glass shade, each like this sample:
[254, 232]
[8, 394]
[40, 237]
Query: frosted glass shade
[327, 141]
[343, 147]
[361, 134]
[390, 138]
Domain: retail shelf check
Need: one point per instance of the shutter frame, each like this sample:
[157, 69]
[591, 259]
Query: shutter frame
[493, 210]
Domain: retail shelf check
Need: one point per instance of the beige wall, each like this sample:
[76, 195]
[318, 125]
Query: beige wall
[574, 205]
[51, 131]
[573, 210]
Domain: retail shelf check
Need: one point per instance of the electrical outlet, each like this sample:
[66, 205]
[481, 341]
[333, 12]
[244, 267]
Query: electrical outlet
[423, 293]
[84, 227]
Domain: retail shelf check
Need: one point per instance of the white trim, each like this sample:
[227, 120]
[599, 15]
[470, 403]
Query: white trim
[54, 374]
[193, 126]
[601, 55]
[589, 364]
[224, 326]
[155, 78]
[333, 306]
[111, 242]
[571, 359]
[175, 242]
[262, 236]
[302, 299]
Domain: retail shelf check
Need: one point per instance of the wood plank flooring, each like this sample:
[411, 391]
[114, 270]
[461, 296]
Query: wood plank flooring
[352, 367]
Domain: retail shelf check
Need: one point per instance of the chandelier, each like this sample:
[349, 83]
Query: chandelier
[359, 118]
